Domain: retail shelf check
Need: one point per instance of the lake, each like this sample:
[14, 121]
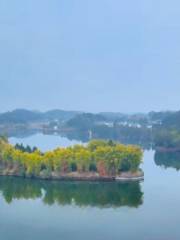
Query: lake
[44, 142]
[149, 210]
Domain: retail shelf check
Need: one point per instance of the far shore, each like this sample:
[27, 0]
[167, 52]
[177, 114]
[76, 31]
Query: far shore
[167, 149]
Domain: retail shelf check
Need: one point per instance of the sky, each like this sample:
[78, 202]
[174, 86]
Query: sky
[91, 55]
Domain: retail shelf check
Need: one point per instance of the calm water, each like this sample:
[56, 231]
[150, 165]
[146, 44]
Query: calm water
[54, 210]
[44, 142]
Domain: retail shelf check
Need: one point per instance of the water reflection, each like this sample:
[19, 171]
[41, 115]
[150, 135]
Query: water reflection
[83, 136]
[21, 134]
[81, 194]
[18, 132]
[168, 160]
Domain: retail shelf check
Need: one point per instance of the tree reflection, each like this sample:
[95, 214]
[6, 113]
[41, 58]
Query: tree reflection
[102, 194]
[168, 160]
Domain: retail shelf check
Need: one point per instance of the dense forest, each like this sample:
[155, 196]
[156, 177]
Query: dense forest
[103, 158]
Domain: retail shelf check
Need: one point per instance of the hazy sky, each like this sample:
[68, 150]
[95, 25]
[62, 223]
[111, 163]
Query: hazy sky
[93, 55]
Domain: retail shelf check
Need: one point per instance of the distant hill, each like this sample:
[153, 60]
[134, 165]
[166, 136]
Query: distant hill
[160, 116]
[60, 114]
[172, 121]
[85, 121]
[111, 116]
[80, 119]
[20, 116]
[23, 116]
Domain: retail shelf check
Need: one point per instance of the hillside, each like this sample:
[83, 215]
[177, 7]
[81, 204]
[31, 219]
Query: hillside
[23, 116]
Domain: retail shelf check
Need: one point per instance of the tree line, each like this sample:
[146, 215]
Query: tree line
[107, 158]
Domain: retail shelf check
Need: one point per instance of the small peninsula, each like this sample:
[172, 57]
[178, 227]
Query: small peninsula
[98, 160]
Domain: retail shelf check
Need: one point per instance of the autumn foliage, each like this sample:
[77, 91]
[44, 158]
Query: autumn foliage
[106, 158]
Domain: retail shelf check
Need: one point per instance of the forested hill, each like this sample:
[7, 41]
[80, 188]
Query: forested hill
[25, 116]
[160, 128]
[77, 118]
[172, 121]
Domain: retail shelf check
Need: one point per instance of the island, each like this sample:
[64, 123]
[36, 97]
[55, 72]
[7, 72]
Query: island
[98, 160]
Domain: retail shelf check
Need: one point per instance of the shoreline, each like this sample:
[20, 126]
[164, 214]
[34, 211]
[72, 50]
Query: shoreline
[167, 150]
[124, 177]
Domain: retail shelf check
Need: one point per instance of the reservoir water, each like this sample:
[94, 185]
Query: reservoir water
[149, 210]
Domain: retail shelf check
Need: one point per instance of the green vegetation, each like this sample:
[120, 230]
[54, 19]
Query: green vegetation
[141, 129]
[167, 134]
[22, 148]
[85, 121]
[167, 138]
[23, 116]
[105, 158]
